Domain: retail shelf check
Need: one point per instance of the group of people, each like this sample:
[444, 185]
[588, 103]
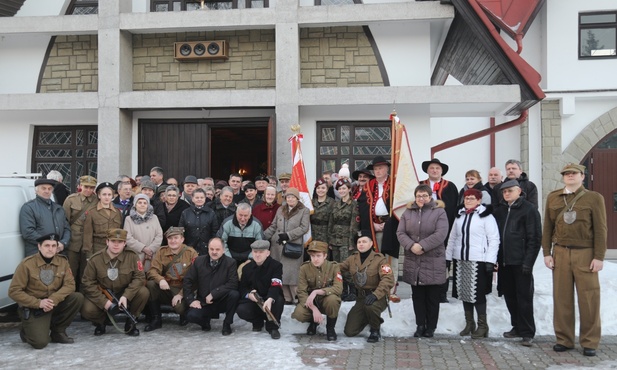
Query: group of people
[237, 247]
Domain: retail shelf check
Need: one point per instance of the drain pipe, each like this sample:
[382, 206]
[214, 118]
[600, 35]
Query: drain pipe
[476, 135]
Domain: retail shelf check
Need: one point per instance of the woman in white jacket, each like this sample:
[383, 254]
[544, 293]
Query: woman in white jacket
[473, 245]
[144, 233]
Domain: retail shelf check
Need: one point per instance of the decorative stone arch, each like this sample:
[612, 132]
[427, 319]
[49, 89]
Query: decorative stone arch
[552, 158]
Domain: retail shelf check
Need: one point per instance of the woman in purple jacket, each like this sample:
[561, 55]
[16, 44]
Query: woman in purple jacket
[422, 231]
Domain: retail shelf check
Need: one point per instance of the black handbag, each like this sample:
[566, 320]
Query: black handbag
[293, 250]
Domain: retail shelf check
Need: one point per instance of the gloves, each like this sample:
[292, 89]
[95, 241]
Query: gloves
[526, 270]
[448, 264]
[283, 237]
[490, 267]
[370, 299]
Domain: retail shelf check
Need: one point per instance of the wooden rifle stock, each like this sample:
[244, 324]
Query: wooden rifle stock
[269, 314]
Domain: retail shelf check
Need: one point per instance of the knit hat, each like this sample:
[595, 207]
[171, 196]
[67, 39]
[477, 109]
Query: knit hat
[140, 196]
[294, 192]
[344, 171]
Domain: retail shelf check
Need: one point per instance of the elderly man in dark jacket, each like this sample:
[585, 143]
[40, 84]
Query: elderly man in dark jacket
[42, 216]
[223, 206]
[210, 287]
[261, 278]
[521, 234]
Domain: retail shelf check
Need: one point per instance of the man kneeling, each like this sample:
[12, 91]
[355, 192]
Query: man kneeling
[320, 285]
[260, 289]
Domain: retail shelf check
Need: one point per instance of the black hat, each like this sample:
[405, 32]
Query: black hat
[105, 185]
[365, 233]
[444, 167]
[378, 160]
[249, 185]
[51, 182]
[55, 237]
[357, 173]
[261, 178]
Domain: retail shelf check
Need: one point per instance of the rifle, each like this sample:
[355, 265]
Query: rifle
[115, 305]
[269, 314]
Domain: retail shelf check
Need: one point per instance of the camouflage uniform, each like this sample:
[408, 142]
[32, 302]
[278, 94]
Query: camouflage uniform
[343, 228]
[320, 218]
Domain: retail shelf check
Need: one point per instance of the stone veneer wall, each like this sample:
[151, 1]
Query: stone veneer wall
[251, 64]
[337, 57]
[72, 65]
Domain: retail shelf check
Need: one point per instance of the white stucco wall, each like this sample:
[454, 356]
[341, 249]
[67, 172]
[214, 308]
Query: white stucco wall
[17, 147]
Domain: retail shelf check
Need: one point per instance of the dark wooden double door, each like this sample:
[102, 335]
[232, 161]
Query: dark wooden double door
[602, 177]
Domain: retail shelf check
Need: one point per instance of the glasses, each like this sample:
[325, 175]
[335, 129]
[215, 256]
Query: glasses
[470, 199]
[425, 196]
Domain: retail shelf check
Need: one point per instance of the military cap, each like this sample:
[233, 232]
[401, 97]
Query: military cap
[87, 181]
[260, 245]
[572, 167]
[174, 230]
[43, 238]
[342, 182]
[365, 233]
[285, 176]
[51, 182]
[317, 246]
[509, 184]
[116, 234]
[105, 185]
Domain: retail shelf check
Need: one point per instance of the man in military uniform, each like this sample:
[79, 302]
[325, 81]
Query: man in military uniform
[215, 278]
[284, 180]
[373, 278]
[76, 206]
[119, 270]
[169, 265]
[320, 285]
[262, 276]
[574, 245]
[44, 288]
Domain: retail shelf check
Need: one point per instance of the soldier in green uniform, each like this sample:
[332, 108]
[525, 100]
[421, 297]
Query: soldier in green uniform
[119, 270]
[76, 206]
[373, 278]
[169, 265]
[44, 288]
[319, 291]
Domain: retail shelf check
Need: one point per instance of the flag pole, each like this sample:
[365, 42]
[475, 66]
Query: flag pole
[393, 158]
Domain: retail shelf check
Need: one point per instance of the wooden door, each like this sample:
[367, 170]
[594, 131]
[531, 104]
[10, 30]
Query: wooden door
[603, 179]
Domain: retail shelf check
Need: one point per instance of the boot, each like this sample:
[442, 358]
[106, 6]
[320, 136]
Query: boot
[374, 336]
[419, 331]
[353, 293]
[348, 295]
[130, 329]
[183, 321]
[61, 337]
[330, 332]
[312, 328]
[155, 312]
[482, 331]
[470, 327]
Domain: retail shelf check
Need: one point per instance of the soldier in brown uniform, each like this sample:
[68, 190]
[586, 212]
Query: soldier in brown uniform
[319, 290]
[373, 278]
[169, 265]
[76, 206]
[119, 270]
[99, 219]
[44, 288]
[284, 180]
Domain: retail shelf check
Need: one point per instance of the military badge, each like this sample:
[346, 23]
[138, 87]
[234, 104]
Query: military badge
[46, 276]
[361, 276]
[339, 277]
[569, 217]
[112, 273]
[140, 266]
[176, 270]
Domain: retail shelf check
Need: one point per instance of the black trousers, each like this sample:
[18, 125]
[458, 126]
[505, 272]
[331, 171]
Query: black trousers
[226, 304]
[518, 291]
[426, 304]
[250, 311]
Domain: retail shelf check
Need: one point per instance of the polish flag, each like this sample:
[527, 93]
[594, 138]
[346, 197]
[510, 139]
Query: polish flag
[298, 177]
[405, 178]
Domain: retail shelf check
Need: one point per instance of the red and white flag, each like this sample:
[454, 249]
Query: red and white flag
[298, 177]
[405, 178]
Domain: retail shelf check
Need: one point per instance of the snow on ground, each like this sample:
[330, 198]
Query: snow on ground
[175, 347]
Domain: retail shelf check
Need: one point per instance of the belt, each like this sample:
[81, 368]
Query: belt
[569, 246]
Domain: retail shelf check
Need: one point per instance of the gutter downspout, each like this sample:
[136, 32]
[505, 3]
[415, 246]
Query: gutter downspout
[476, 135]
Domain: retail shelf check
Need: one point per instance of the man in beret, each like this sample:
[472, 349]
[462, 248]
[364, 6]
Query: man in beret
[261, 278]
[121, 271]
[169, 265]
[521, 234]
[42, 216]
[76, 206]
[44, 289]
[320, 285]
[574, 245]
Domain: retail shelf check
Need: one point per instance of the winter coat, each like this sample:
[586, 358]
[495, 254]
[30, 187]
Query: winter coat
[295, 223]
[143, 231]
[39, 217]
[343, 224]
[124, 210]
[265, 213]
[520, 230]
[529, 190]
[237, 241]
[265, 279]
[447, 192]
[486, 194]
[220, 211]
[474, 236]
[320, 219]
[205, 279]
[427, 226]
[200, 225]
[172, 218]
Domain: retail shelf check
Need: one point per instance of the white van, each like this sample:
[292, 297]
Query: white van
[14, 192]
